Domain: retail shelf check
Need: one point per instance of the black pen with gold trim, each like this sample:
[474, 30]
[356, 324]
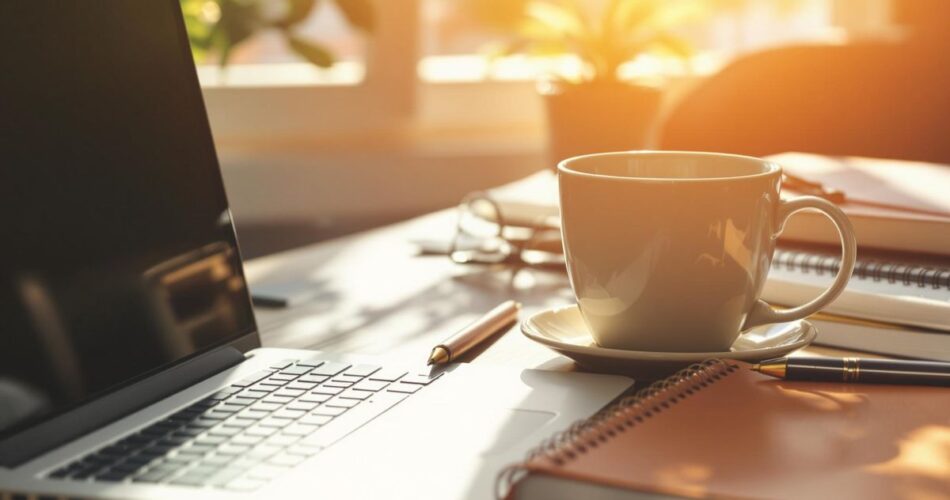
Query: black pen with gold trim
[857, 370]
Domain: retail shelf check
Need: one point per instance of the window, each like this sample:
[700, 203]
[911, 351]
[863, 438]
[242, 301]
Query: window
[426, 67]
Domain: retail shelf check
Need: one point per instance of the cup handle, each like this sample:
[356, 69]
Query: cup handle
[762, 313]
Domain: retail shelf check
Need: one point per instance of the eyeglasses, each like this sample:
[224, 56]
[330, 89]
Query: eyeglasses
[483, 236]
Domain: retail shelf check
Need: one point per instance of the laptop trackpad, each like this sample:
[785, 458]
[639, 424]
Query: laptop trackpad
[481, 431]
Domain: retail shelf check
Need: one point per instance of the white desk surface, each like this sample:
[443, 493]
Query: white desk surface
[376, 296]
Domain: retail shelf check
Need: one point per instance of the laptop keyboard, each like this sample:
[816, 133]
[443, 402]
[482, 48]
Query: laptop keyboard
[251, 432]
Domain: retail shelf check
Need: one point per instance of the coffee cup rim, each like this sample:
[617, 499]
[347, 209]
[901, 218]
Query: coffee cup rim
[771, 168]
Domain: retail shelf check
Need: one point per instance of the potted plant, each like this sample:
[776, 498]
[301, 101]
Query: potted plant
[216, 27]
[595, 111]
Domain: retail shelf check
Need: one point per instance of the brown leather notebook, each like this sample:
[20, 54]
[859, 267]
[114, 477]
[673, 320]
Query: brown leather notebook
[722, 430]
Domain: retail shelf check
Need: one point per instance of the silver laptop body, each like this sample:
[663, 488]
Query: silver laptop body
[130, 362]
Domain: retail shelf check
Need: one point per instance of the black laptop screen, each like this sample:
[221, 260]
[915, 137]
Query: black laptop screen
[117, 252]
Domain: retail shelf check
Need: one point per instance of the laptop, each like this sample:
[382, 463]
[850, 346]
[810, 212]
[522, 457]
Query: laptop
[130, 362]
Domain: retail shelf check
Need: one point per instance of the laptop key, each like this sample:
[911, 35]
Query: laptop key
[100, 460]
[211, 440]
[187, 432]
[179, 460]
[388, 375]
[157, 450]
[353, 419]
[277, 399]
[302, 405]
[224, 393]
[274, 381]
[403, 388]
[299, 429]
[225, 431]
[125, 468]
[314, 398]
[264, 406]
[302, 386]
[136, 440]
[284, 363]
[351, 394]
[296, 370]
[239, 401]
[202, 423]
[232, 449]
[252, 413]
[292, 393]
[111, 476]
[342, 402]
[221, 414]
[330, 368]
[262, 388]
[151, 476]
[283, 440]
[330, 411]
[346, 378]
[276, 422]
[362, 370]
[337, 384]
[332, 391]
[253, 379]
[189, 480]
[217, 460]
[246, 440]
[312, 363]
[422, 379]
[261, 430]
[289, 414]
[139, 459]
[263, 451]
[85, 472]
[370, 385]
[313, 379]
[240, 423]
[315, 420]
[252, 394]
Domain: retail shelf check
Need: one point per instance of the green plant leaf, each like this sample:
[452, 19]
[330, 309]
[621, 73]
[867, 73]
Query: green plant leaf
[297, 12]
[632, 15]
[557, 18]
[312, 52]
[239, 21]
[677, 46]
[359, 13]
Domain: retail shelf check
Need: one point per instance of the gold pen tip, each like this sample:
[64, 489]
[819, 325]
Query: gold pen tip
[439, 355]
[756, 367]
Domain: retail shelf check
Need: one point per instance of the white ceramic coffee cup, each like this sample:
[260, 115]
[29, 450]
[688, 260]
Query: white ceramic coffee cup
[668, 251]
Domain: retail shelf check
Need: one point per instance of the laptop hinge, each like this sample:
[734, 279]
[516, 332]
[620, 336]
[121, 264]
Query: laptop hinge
[75, 423]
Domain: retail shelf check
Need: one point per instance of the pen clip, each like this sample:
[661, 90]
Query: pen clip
[813, 188]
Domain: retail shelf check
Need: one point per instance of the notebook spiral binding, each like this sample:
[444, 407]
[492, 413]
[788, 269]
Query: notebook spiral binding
[625, 414]
[873, 269]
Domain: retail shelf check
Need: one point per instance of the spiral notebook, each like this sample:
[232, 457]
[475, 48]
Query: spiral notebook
[720, 430]
[885, 286]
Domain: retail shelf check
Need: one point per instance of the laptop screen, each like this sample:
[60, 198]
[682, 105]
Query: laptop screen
[117, 255]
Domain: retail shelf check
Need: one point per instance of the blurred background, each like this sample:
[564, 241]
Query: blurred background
[333, 116]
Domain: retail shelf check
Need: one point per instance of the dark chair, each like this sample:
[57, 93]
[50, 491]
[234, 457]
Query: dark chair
[888, 100]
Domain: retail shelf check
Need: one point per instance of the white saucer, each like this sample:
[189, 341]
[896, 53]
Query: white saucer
[563, 330]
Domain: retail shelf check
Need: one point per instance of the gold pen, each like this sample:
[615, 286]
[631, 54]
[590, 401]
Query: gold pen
[473, 334]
